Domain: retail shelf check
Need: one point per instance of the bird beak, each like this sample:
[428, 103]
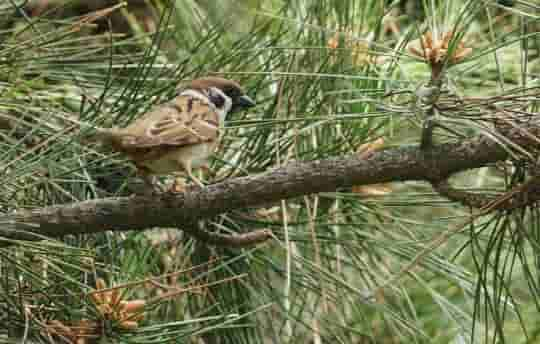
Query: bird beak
[245, 102]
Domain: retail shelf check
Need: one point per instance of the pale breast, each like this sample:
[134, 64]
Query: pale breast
[177, 159]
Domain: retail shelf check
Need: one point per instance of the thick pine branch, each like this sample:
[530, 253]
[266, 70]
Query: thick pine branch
[290, 181]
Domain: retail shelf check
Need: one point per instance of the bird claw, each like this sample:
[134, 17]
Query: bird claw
[178, 186]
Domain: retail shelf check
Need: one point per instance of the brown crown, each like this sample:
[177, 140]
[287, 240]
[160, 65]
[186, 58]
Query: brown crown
[212, 81]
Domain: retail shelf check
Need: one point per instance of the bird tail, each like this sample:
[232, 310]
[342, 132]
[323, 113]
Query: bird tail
[101, 135]
[89, 134]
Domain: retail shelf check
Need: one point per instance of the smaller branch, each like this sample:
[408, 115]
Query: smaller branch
[468, 199]
[227, 240]
[518, 197]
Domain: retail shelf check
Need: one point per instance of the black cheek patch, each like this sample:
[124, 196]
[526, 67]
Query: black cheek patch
[217, 99]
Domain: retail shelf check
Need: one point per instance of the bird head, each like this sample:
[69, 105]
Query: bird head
[227, 95]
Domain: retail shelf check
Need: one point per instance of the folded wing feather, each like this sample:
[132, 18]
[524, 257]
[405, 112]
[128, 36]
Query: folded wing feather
[171, 125]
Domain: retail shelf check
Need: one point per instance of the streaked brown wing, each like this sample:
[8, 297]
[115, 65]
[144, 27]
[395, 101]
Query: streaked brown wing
[183, 121]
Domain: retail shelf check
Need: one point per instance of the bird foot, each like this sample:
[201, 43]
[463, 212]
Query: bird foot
[184, 188]
[175, 189]
[178, 186]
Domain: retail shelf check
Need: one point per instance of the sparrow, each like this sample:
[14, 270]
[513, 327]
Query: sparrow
[181, 134]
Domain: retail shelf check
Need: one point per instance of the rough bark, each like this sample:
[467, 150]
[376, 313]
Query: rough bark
[290, 181]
